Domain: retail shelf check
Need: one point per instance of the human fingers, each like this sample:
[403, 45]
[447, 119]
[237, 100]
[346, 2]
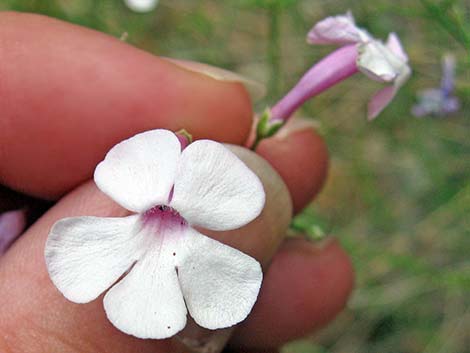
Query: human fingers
[254, 249]
[69, 93]
[85, 327]
[328, 269]
[122, 99]
[305, 287]
[300, 156]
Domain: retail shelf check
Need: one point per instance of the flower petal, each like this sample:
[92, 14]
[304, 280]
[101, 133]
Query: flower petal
[450, 105]
[214, 189]
[379, 101]
[139, 172]
[141, 5]
[337, 30]
[220, 284]
[12, 223]
[448, 73]
[148, 302]
[86, 255]
[374, 61]
[394, 44]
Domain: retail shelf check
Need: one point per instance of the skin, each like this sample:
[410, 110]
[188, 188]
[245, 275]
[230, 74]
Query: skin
[68, 94]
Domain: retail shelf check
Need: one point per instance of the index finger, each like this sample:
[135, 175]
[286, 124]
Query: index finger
[68, 94]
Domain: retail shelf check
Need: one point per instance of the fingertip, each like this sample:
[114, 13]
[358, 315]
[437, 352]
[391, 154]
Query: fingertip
[301, 158]
[306, 286]
[257, 90]
[83, 91]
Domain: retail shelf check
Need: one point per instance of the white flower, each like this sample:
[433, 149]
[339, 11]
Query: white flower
[141, 5]
[169, 268]
[381, 62]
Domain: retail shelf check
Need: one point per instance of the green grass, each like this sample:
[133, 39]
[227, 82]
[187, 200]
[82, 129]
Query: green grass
[398, 196]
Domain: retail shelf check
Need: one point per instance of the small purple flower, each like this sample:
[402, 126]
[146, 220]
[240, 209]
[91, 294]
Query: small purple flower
[439, 101]
[381, 62]
[12, 224]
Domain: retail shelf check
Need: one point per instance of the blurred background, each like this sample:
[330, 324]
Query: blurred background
[398, 194]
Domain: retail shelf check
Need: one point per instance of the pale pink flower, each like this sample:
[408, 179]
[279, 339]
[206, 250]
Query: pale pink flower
[387, 63]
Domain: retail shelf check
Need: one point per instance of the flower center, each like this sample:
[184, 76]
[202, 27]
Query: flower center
[162, 215]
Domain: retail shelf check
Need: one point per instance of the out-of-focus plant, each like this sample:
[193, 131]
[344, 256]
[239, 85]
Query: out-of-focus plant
[359, 52]
[452, 16]
[268, 4]
[439, 101]
[274, 9]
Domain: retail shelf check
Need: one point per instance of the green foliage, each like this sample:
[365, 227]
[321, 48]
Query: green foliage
[310, 224]
[265, 127]
[451, 15]
[304, 346]
[267, 4]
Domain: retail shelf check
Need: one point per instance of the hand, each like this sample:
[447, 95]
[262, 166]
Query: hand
[67, 95]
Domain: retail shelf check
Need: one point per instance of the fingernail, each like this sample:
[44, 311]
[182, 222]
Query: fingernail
[297, 124]
[255, 89]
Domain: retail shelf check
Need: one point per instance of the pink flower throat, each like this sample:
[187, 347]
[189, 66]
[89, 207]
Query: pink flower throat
[162, 215]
